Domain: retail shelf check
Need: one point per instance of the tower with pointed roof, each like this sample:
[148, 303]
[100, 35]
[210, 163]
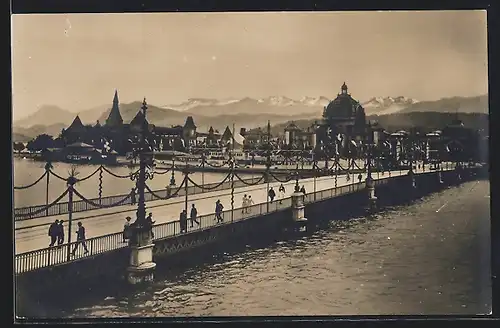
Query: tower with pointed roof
[189, 131]
[115, 119]
[74, 132]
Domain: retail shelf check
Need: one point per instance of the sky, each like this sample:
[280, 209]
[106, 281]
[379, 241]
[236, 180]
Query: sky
[76, 61]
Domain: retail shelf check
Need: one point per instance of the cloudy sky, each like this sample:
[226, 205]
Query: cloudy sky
[77, 61]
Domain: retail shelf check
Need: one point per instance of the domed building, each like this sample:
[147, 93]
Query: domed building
[343, 119]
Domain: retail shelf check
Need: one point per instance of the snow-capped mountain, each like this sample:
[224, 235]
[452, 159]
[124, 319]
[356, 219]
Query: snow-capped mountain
[278, 101]
[283, 104]
[270, 101]
[315, 101]
[195, 102]
[387, 105]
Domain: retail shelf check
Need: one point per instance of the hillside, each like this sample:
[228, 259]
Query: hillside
[31, 132]
[46, 115]
[430, 120]
[477, 104]
[17, 137]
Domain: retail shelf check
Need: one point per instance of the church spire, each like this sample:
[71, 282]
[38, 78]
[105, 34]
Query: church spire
[115, 118]
[115, 98]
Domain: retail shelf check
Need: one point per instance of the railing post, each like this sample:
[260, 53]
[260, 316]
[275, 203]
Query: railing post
[232, 189]
[70, 183]
[186, 189]
[48, 166]
[314, 177]
[100, 185]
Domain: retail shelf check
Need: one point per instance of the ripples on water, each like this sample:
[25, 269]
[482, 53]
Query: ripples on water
[405, 260]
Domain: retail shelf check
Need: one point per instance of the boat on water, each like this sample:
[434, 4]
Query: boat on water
[80, 153]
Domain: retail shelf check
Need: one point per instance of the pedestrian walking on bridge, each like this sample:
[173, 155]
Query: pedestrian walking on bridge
[194, 214]
[250, 202]
[218, 211]
[53, 232]
[183, 221]
[271, 194]
[126, 229]
[360, 177]
[60, 233]
[244, 204]
[150, 222]
[80, 239]
[281, 192]
[303, 189]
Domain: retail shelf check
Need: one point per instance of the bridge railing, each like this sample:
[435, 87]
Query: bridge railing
[51, 256]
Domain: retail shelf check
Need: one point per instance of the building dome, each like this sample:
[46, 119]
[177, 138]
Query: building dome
[342, 107]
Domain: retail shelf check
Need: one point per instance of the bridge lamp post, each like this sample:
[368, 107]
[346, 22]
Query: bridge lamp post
[172, 178]
[370, 149]
[268, 163]
[140, 229]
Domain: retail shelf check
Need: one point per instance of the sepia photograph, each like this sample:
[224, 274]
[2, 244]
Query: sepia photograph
[234, 164]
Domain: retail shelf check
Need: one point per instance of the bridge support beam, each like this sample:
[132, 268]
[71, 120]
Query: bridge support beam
[372, 199]
[298, 211]
[141, 267]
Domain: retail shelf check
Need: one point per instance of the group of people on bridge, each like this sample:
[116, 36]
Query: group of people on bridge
[56, 234]
[282, 192]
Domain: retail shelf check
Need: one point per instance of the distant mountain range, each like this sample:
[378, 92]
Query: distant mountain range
[245, 112]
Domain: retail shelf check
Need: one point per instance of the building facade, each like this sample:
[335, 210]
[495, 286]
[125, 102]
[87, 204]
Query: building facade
[343, 123]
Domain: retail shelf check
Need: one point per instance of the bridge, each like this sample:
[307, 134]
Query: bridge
[104, 218]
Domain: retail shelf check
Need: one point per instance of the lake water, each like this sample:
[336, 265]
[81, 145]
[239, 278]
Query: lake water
[27, 171]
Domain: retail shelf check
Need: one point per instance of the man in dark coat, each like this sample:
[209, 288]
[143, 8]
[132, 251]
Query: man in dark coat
[271, 194]
[60, 233]
[80, 239]
[194, 214]
[53, 232]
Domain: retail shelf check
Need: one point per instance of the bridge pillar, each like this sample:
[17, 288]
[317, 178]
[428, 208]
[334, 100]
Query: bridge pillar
[141, 268]
[298, 211]
[372, 199]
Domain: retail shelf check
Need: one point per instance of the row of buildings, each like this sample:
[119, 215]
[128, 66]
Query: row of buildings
[343, 130]
[119, 136]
